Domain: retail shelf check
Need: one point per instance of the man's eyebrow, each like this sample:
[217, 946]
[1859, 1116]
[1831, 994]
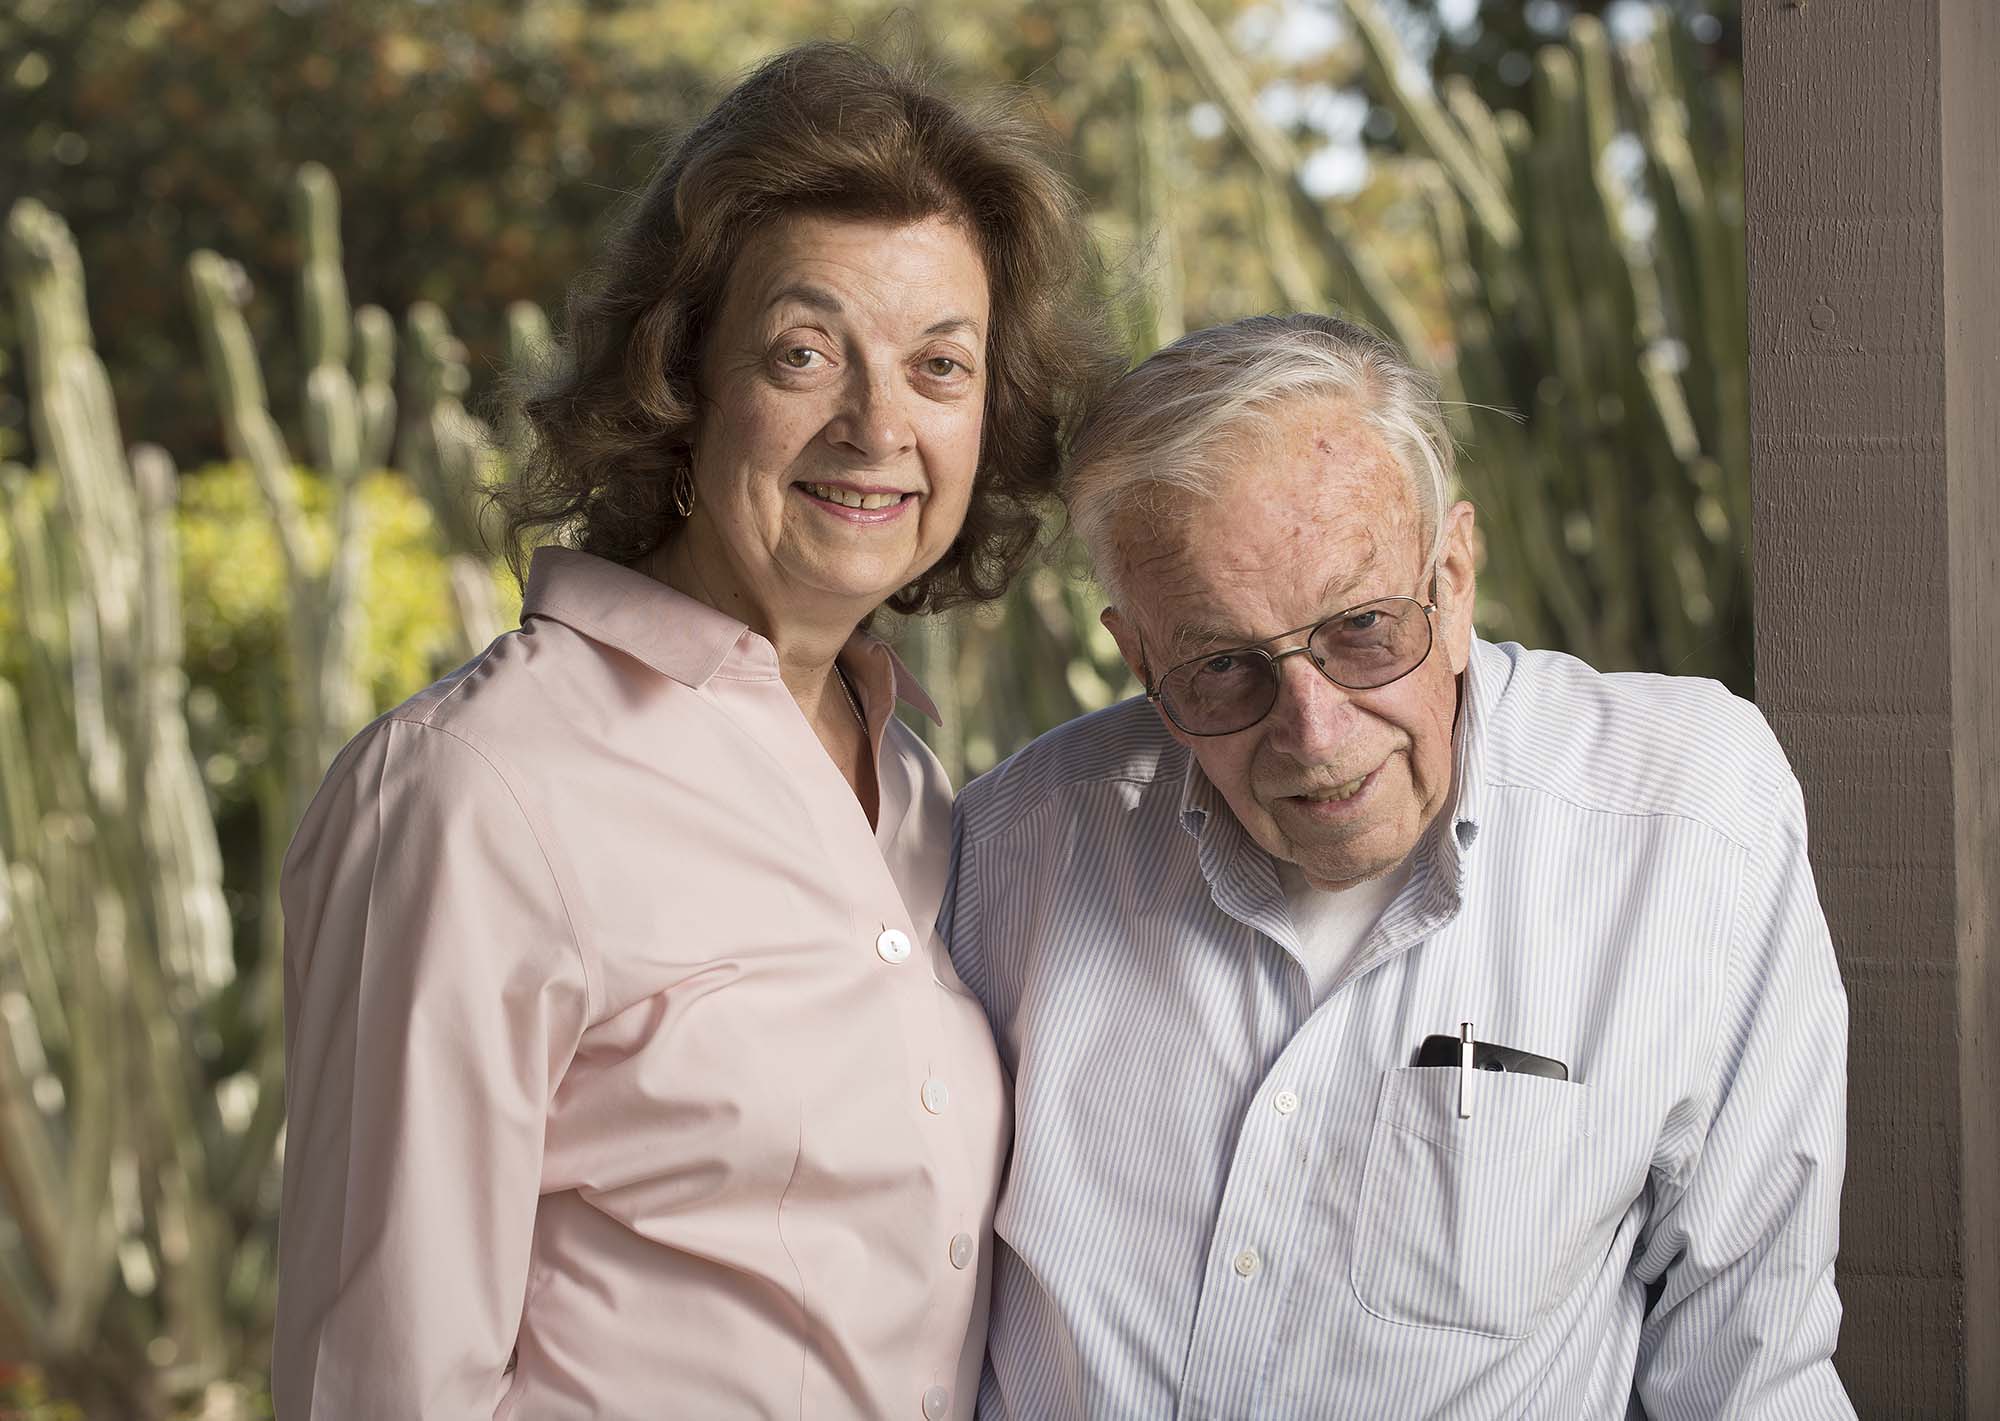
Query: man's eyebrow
[1189, 635]
[1338, 593]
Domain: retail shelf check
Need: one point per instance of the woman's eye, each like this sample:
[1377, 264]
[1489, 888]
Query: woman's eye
[799, 357]
[941, 367]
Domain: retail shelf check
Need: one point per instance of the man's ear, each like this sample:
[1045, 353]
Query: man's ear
[1127, 638]
[1133, 650]
[1457, 577]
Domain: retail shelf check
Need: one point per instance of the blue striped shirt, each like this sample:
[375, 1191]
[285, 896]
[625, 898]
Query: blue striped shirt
[1227, 1203]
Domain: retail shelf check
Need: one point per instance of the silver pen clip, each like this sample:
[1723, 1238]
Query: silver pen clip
[1465, 1070]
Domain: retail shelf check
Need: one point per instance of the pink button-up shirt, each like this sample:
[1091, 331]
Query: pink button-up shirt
[627, 1077]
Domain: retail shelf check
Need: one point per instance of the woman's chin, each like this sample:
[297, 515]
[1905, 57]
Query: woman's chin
[857, 575]
[859, 587]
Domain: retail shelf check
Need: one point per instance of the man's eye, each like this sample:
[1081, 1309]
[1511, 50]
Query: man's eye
[1362, 621]
[1220, 665]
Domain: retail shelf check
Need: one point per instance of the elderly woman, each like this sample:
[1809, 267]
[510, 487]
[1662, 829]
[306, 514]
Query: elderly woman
[627, 1077]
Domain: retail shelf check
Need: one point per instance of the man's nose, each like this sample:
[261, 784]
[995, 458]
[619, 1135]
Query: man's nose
[872, 422]
[1312, 715]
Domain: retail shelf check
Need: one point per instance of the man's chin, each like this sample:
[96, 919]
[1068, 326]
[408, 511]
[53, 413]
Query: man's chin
[1336, 876]
[1343, 859]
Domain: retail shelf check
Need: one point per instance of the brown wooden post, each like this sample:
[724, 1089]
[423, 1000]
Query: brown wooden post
[1873, 165]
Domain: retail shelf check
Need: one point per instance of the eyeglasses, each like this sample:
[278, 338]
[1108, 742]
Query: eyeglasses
[1361, 649]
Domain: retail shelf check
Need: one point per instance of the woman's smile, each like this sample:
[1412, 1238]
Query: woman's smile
[862, 505]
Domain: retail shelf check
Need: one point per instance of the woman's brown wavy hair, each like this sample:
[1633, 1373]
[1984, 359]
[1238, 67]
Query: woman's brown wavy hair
[828, 130]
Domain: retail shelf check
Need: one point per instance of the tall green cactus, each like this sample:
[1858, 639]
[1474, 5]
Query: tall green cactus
[323, 601]
[113, 934]
[1606, 317]
[451, 456]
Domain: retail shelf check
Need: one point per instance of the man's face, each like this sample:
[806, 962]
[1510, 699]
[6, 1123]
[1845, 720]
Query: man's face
[1313, 517]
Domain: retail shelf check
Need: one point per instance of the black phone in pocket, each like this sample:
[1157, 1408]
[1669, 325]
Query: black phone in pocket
[1444, 1051]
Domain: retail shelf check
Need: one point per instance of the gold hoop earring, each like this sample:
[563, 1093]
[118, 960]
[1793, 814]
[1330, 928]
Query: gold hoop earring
[683, 494]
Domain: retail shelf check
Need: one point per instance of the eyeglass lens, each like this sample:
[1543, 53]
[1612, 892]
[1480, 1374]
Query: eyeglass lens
[1361, 648]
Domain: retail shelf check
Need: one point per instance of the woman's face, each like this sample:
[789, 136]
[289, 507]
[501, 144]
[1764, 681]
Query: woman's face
[843, 388]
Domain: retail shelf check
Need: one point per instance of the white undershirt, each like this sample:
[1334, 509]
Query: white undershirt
[1332, 925]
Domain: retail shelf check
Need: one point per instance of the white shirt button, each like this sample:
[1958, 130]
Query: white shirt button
[1247, 1263]
[937, 1402]
[963, 1250]
[1285, 1102]
[935, 1096]
[893, 945]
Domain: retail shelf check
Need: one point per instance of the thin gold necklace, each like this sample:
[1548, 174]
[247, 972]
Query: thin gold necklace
[848, 691]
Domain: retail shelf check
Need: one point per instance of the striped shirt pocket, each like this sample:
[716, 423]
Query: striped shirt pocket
[1474, 1225]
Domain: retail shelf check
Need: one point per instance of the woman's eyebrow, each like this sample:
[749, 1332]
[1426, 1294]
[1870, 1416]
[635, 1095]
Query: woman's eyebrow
[818, 298]
[799, 293]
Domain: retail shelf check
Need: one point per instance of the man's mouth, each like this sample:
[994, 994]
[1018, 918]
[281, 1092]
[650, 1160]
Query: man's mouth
[856, 498]
[1333, 794]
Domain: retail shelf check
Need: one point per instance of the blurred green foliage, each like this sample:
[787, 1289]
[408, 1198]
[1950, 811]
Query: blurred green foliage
[479, 145]
[1492, 43]
[24, 1396]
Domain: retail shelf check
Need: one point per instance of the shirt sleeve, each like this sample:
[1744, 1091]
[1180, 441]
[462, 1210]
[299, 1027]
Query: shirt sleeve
[1740, 1248]
[434, 994]
[958, 916]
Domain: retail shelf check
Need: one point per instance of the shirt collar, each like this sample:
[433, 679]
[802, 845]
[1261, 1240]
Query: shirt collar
[669, 631]
[871, 651]
[1242, 878]
[1201, 801]
[1479, 690]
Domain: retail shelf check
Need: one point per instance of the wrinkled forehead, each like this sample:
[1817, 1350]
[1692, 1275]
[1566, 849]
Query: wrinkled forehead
[1190, 600]
[1299, 519]
[859, 267]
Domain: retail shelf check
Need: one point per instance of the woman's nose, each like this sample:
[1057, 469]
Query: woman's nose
[872, 421]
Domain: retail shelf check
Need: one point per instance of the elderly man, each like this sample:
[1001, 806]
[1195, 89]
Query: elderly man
[1401, 1025]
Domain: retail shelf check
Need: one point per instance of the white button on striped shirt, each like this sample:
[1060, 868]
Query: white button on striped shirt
[1224, 1203]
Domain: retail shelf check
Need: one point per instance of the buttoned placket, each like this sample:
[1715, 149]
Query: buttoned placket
[960, 1249]
[1283, 1159]
[910, 981]
[1286, 1155]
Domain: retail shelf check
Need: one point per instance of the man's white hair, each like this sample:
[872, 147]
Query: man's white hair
[1159, 429]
